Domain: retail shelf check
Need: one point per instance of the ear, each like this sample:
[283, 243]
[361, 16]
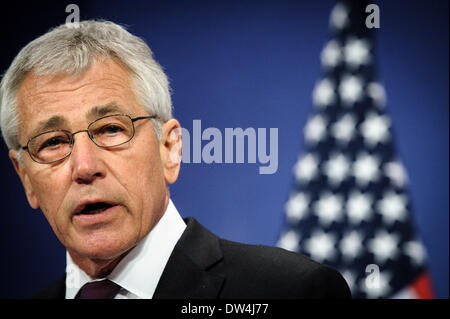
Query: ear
[170, 150]
[20, 170]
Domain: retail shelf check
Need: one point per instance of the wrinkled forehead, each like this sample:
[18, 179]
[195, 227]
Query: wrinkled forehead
[50, 100]
[61, 122]
[102, 77]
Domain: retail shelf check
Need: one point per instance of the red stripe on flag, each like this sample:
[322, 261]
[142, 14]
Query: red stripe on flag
[423, 287]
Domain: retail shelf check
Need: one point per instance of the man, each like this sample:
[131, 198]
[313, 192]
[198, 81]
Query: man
[86, 114]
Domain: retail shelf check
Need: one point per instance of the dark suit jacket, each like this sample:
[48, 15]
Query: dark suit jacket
[204, 266]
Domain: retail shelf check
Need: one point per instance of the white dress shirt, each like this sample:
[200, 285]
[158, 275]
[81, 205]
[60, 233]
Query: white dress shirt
[138, 273]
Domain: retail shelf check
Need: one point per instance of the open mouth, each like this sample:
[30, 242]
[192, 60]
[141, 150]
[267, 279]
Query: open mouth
[94, 208]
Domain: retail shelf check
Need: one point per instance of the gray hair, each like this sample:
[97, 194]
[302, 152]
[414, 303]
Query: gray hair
[70, 50]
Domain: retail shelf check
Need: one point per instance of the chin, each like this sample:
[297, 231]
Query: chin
[101, 248]
[104, 254]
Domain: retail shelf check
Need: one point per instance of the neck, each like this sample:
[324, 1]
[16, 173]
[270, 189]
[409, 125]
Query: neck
[96, 268]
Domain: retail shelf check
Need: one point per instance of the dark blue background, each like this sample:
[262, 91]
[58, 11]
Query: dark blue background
[251, 64]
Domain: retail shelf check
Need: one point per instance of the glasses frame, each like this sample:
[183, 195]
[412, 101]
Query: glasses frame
[91, 137]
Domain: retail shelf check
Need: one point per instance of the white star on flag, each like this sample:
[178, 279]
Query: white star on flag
[375, 129]
[384, 246]
[377, 93]
[392, 207]
[315, 129]
[323, 93]
[297, 206]
[396, 173]
[416, 251]
[331, 54]
[337, 168]
[321, 246]
[349, 277]
[344, 129]
[351, 245]
[356, 52]
[289, 240]
[306, 168]
[359, 207]
[366, 169]
[351, 89]
[339, 16]
[328, 208]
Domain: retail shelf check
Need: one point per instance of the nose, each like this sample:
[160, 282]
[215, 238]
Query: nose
[87, 165]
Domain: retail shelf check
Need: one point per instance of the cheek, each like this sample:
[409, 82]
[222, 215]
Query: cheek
[149, 178]
[148, 167]
[150, 182]
[138, 172]
[50, 191]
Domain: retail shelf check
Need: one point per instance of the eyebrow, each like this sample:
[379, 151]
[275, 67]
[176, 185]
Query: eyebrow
[59, 122]
[102, 110]
[56, 121]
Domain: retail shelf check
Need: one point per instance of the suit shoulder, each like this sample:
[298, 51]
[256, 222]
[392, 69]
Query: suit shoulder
[293, 273]
[256, 271]
[55, 290]
[274, 256]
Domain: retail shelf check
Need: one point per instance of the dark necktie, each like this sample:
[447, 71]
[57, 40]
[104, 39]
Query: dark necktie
[105, 289]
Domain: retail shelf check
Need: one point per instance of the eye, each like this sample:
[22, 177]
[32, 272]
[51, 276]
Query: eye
[53, 142]
[110, 129]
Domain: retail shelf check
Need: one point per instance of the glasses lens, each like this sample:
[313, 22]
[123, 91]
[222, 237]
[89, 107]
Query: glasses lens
[50, 146]
[112, 130]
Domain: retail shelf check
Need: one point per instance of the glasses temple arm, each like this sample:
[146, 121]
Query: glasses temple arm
[143, 117]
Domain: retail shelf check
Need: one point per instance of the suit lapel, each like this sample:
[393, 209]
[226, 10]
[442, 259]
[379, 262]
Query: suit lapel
[191, 271]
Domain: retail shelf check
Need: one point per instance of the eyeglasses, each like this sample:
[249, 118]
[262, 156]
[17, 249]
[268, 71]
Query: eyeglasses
[108, 131]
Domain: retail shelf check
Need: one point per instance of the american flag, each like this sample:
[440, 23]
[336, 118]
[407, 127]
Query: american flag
[349, 207]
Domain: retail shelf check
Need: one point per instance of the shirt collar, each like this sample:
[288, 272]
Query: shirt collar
[140, 270]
